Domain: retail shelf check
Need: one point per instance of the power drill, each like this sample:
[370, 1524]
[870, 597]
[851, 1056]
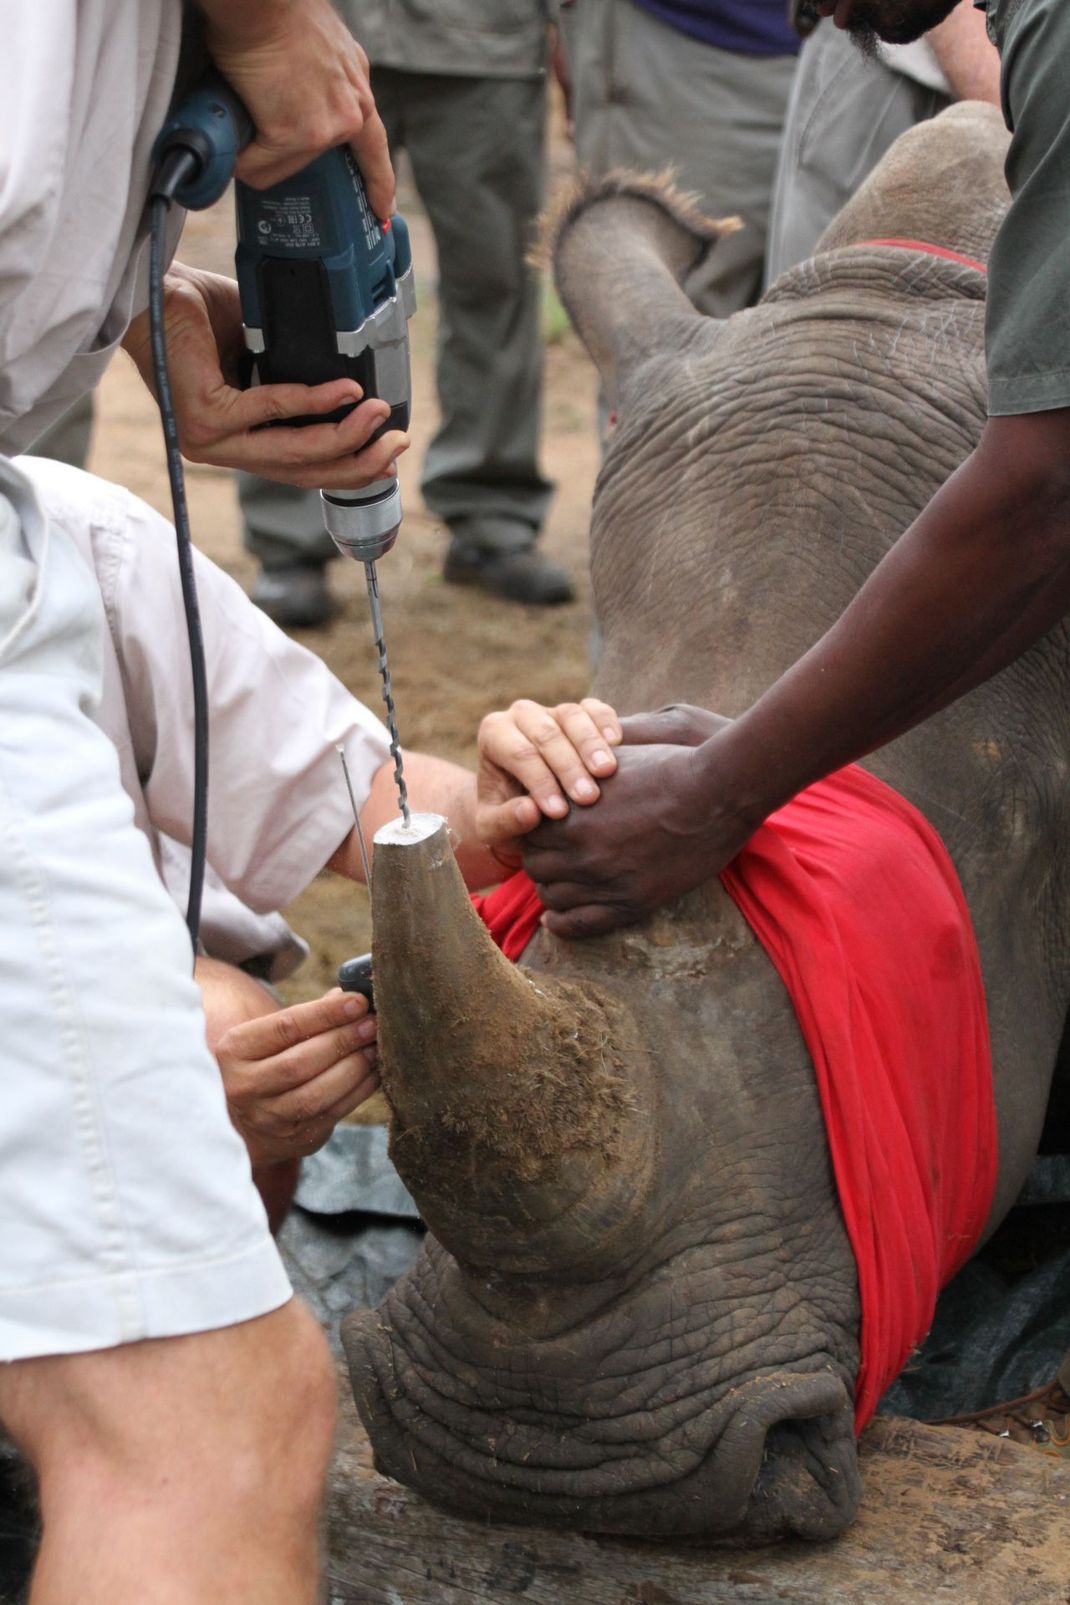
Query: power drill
[326, 293]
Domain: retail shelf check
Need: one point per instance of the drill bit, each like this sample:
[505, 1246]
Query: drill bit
[388, 693]
[341, 751]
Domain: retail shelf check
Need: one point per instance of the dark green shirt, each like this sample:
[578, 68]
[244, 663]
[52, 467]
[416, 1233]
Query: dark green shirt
[1028, 317]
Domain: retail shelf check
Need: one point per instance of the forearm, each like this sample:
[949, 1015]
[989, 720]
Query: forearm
[981, 574]
[435, 786]
[969, 59]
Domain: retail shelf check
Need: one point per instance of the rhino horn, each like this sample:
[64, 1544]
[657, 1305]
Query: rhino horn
[516, 1099]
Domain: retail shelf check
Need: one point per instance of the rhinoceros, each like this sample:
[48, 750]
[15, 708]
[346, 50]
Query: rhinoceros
[637, 1309]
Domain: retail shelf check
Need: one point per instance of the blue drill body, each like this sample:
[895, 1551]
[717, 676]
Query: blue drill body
[326, 291]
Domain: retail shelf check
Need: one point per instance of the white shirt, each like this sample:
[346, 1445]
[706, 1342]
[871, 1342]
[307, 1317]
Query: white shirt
[278, 807]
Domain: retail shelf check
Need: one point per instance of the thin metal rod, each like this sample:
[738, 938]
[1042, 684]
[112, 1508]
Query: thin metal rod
[388, 690]
[341, 751]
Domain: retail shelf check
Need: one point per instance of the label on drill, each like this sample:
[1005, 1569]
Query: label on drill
[372, 232]
[288, 220]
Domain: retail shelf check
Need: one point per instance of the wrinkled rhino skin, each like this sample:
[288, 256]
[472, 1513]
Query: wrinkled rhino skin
[649, 1326]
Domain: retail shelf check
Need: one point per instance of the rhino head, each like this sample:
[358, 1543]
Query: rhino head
[637, 1309]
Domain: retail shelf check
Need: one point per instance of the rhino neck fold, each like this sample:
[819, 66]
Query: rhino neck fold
[518, 1125]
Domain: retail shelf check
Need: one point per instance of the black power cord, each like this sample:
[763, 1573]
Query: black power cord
[175, 167]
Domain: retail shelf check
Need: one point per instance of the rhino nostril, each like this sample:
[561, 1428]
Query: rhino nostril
[808, 1483]
[786, 1461]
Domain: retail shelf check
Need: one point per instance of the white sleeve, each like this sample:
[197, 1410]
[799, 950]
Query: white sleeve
[277, 803]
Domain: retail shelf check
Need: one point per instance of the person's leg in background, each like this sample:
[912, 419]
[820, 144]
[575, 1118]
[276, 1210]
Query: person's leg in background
[477, 147]
[844, 114]
[647, 96]
[282, 525]
[749, 96]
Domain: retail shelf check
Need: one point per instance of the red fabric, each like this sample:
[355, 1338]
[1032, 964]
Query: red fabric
[855, 900]
[931, 250]
[511, 913]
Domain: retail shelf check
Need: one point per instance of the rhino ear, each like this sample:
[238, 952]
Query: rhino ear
[620, 249]
[520, 1123]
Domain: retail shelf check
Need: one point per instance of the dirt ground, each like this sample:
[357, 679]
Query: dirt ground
[454, 653]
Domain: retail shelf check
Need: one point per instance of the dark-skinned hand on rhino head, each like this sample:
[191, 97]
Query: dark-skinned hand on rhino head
[980, 575]
[638, 1309]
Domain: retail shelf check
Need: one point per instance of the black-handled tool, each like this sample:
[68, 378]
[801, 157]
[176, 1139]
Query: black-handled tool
[355, 975]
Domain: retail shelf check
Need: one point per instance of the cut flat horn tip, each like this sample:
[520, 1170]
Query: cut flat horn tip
[396, 833]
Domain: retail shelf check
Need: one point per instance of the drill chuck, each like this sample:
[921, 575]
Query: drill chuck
[363, 523]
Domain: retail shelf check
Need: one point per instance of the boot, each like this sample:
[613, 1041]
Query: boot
[499, 556]
[295, 596]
